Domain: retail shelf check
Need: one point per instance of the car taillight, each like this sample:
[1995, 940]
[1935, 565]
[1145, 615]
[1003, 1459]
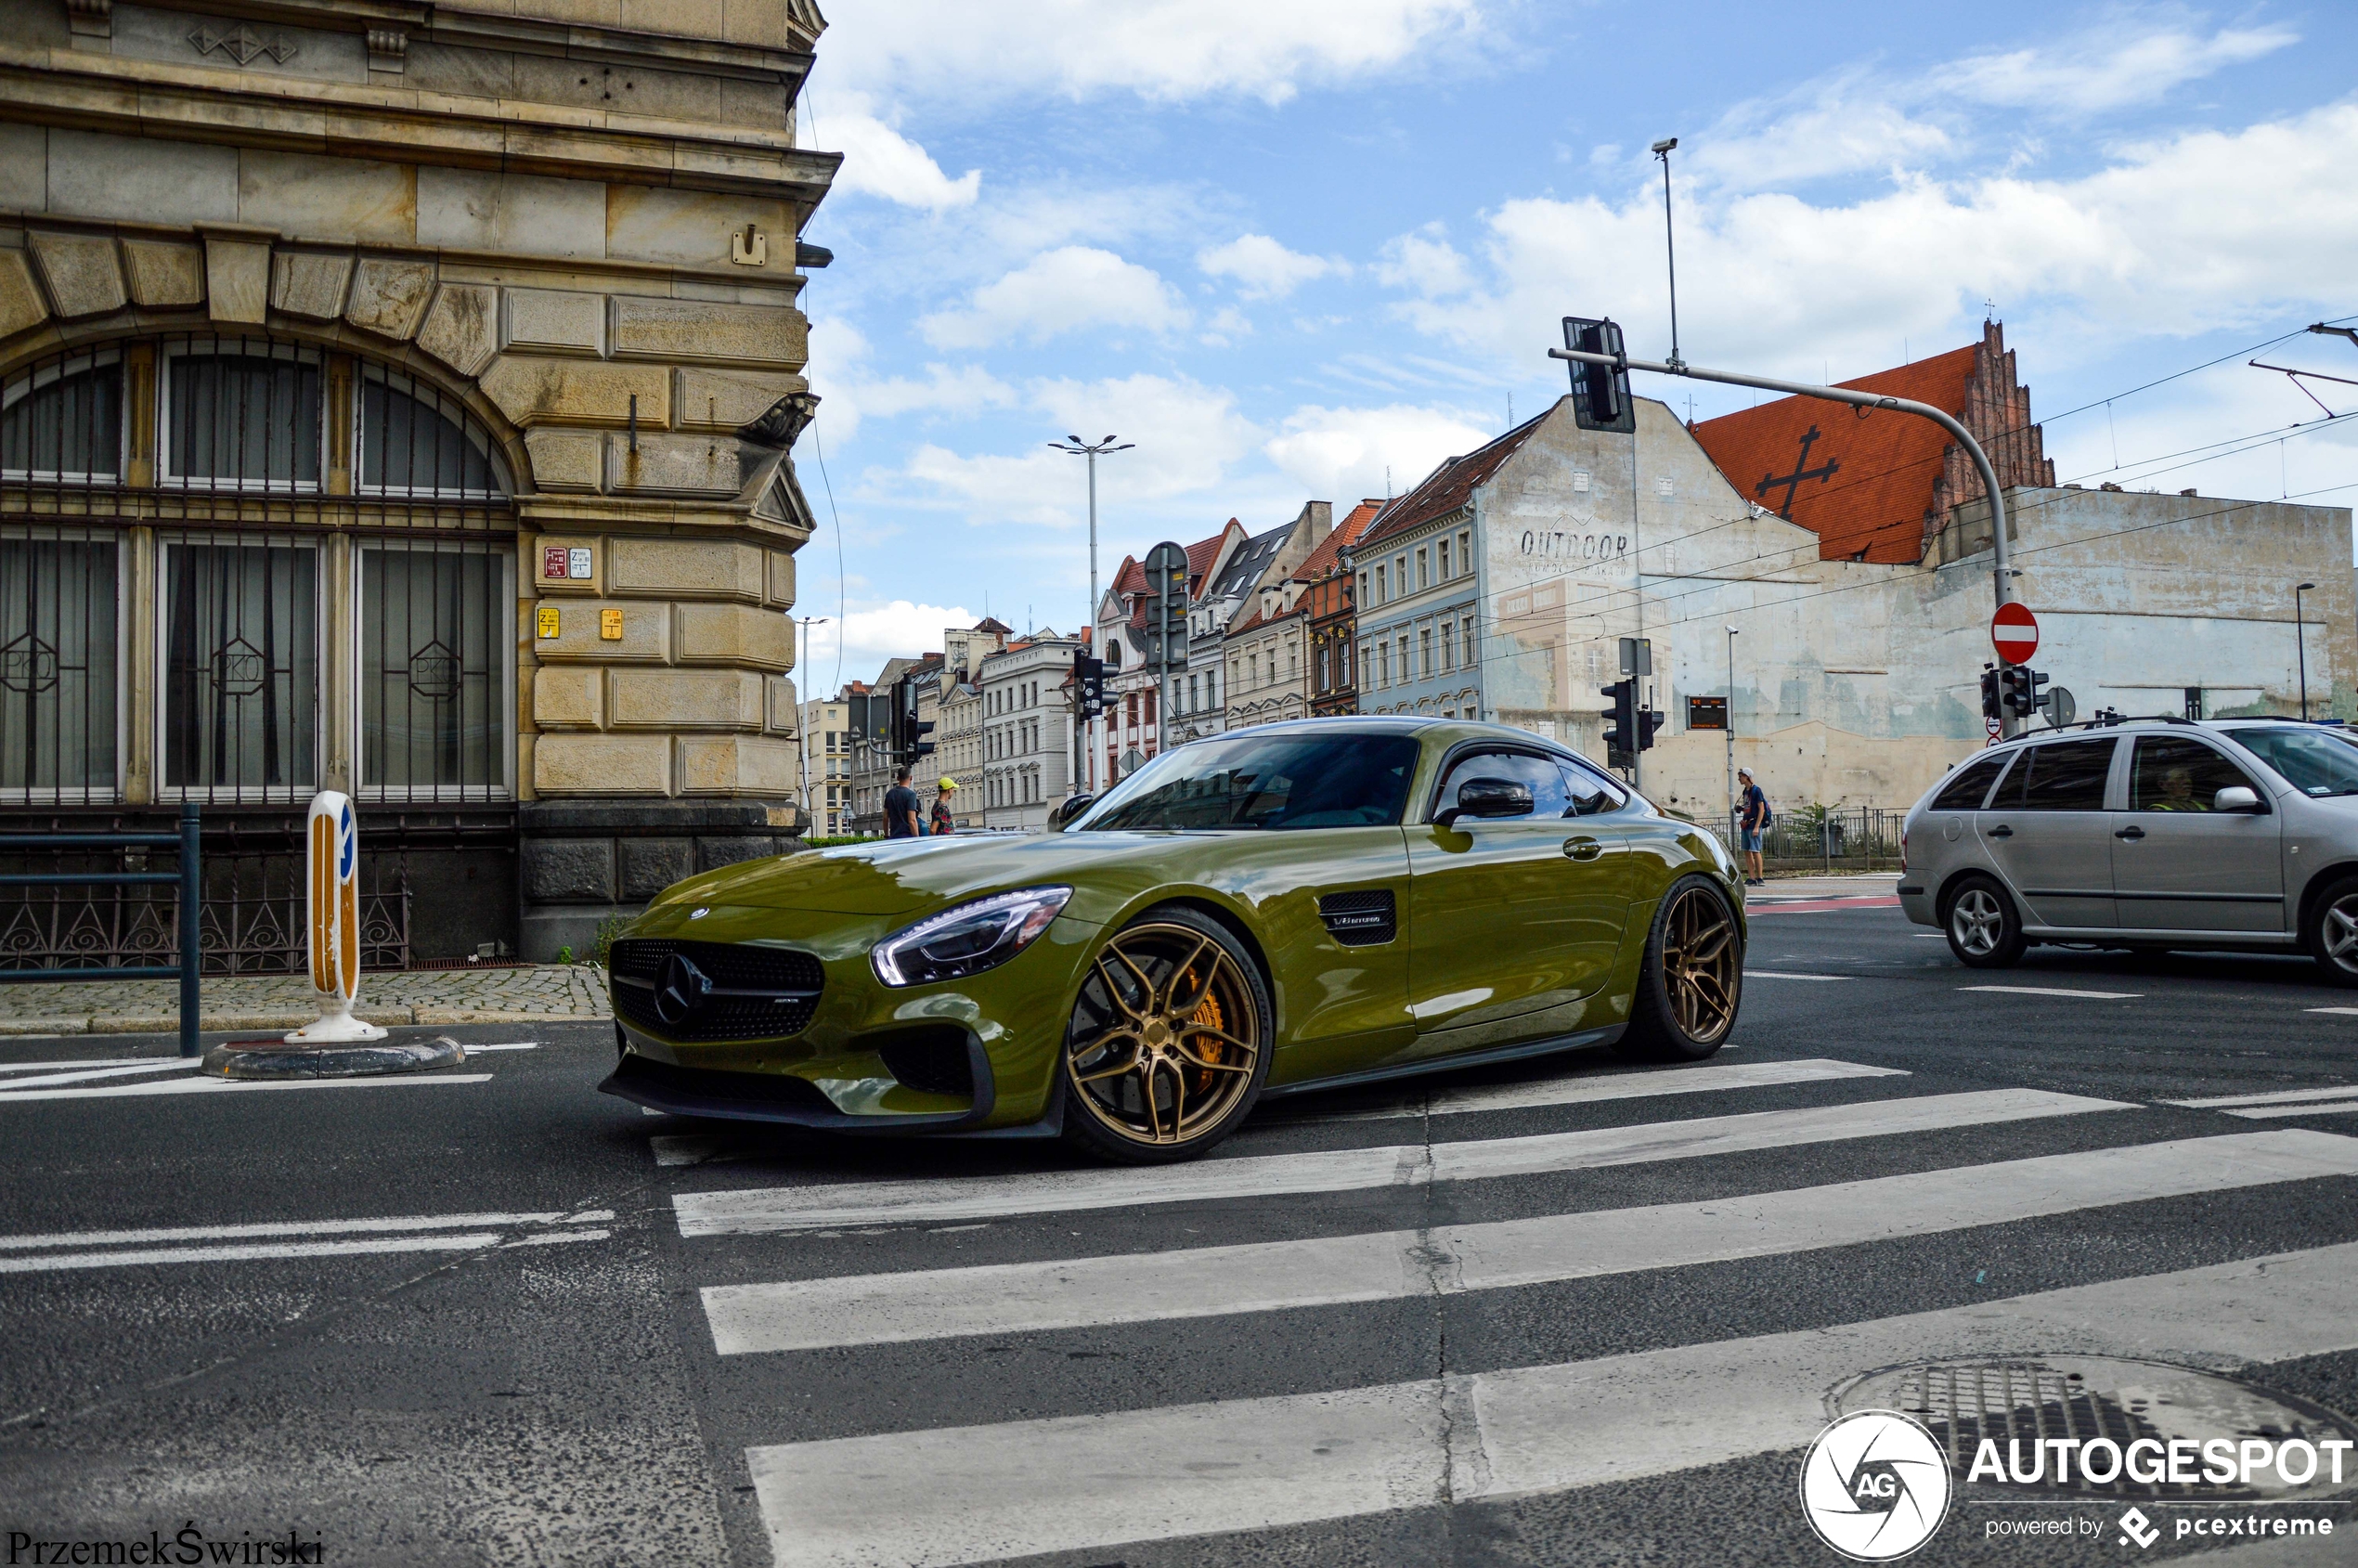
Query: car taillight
[1903, 850]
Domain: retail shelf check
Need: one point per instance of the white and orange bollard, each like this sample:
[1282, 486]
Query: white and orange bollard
[332, 906]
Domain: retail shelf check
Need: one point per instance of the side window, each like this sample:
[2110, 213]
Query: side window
[2062, 777]
[1538, 774]
[2172, 773]
[1589, 793]
[1968, 784]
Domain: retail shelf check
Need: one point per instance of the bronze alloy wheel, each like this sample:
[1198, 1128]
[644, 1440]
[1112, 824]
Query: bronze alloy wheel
[1166, 1035]
[1700, 960]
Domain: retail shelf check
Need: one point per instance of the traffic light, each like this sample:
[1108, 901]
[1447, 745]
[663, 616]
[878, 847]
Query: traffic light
[1088, 684]
[2018, 690]
[909, 742]
[1650, 721]
[1621, 726]
[1991, 692]
[1599, 392]
[2032, 694]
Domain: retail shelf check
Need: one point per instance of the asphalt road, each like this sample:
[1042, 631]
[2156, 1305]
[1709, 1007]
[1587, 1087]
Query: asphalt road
[497, 1318]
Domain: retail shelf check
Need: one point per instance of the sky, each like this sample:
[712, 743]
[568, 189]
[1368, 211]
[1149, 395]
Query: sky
[1306, 250]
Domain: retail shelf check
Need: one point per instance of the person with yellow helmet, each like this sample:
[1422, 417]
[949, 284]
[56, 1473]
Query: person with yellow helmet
[943, 822]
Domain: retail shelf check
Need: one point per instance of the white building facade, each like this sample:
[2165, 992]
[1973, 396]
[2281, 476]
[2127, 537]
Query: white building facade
[1027, 732]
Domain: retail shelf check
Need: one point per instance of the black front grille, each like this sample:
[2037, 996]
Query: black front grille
[757, 992]
[1366, 918]
[776, 1090]
[932, 1060]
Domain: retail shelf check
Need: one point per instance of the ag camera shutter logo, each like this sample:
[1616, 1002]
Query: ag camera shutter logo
[1876, 1485]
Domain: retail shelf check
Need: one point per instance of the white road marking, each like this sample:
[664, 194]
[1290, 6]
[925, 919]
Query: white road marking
[2345, 1011]
[1790, 975]
[1588, 1089]
[91, 1062]
[1211, 1281]
[2054, 991]
[931, 1499]
[297, 1227]
[525, 1046]
[2328, 1108]
[50, 1080]
[650, 1111]
[2281, 1097]
[230, 1086]
[48, 1263]
[556, 1237]
[938, 1201]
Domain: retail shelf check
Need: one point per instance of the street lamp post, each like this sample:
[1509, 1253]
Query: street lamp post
[1731, 730]
[802, 726]
[2300, 645]
[1083, 448]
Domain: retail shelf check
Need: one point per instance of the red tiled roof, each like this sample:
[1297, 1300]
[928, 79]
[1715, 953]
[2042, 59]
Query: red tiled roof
[1130, 579]
[1328, 556]
[1446, 488]
[1870, 480]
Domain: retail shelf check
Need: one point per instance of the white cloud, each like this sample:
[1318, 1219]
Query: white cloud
[879, 160]
[1845, 124]
[870, 636]
[840, 374]
[1069, 289]
[1186, 435]
[2123, 63]
[1426, 263]
[1264, 269]
[1344, 454]
[1777, 283]
[1160, 49]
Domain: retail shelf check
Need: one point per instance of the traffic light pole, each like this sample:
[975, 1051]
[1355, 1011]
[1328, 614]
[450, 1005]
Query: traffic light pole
[2002, 565]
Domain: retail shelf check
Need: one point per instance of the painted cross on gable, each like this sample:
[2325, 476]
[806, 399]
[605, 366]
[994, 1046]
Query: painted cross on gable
[1801, 470]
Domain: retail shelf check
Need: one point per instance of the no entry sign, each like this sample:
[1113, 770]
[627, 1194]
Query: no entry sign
[2013, 631]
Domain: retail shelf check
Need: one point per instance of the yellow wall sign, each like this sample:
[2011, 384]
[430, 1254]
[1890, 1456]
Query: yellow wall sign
[610, 625]
[549, 625]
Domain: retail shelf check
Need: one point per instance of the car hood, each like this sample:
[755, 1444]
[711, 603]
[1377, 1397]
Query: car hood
[904, 875]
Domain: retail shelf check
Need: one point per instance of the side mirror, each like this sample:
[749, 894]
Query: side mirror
[1073, 807]
[1486, 797]
[2236, 798]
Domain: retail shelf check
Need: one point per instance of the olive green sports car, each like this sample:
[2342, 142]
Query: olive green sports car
[1289, 907]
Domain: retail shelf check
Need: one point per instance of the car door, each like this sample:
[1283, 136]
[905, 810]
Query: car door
[1512, 915]
[2180, 866]
[2047, 832]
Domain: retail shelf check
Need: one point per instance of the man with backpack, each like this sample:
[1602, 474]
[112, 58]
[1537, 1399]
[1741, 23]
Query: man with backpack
[1757, 818]
[901, 807]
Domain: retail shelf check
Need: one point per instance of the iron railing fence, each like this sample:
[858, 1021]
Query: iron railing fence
[185, 879]
[1829, 838]
[186, 520]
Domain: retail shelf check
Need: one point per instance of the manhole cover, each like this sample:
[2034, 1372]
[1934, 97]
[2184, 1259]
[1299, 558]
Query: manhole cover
[2140, 1408]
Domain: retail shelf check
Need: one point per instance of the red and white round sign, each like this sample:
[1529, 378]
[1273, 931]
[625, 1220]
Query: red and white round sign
[2013, 631]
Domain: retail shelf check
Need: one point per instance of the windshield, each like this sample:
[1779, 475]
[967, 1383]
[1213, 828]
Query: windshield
[1287, 780]
[2313, 762]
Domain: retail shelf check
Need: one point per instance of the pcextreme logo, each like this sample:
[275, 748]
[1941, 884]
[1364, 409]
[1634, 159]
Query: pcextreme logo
[1875, 1486]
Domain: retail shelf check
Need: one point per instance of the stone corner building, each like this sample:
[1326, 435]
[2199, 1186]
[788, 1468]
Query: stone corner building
[397, 398]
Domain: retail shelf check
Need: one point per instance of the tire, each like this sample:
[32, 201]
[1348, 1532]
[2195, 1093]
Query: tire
[1690, 981]
[1983, 926]
[2331, 933]
[1148, 1082]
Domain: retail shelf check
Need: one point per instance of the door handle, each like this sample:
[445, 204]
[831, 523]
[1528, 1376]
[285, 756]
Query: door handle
[2001, 831]
[1583, 848]
[2132, 832]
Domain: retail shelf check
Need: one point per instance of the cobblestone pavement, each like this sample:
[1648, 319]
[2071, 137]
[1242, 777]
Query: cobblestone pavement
[535, 993]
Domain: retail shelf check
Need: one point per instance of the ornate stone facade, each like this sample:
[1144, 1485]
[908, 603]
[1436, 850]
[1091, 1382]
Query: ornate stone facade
[551, 247]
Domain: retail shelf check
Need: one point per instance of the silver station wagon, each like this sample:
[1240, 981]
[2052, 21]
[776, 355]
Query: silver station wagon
[2145, 834]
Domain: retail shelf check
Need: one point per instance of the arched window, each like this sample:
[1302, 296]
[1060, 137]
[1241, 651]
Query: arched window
[414, 442]
[64, 421]
[241, 414]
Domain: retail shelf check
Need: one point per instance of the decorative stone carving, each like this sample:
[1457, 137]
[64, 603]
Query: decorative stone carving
[242, 44]
[306, 283]
[164, 275]
[388, 298]
[700, 330]
[388, 48]
[785, 420]
[84, 276]
[90, 19]
[459, 328]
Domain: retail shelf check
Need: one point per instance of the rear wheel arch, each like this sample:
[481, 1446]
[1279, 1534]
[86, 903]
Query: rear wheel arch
[1947, 893]
[2318, 885]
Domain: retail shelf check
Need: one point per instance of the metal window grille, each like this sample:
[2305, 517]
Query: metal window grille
[240, 701]
[63, 423]
[433, 671]
[242, 413]
[61, 653]
[413, 441]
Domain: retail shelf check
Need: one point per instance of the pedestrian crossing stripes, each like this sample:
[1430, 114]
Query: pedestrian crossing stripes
[13, 1093]
[1192, 1282]
[962, 1495]
[957, 1493]
[939, 1201]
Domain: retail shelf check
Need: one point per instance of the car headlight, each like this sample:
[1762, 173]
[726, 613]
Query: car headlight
[968, 939]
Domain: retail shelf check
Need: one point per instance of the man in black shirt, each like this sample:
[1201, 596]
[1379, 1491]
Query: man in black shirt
[900, 807]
